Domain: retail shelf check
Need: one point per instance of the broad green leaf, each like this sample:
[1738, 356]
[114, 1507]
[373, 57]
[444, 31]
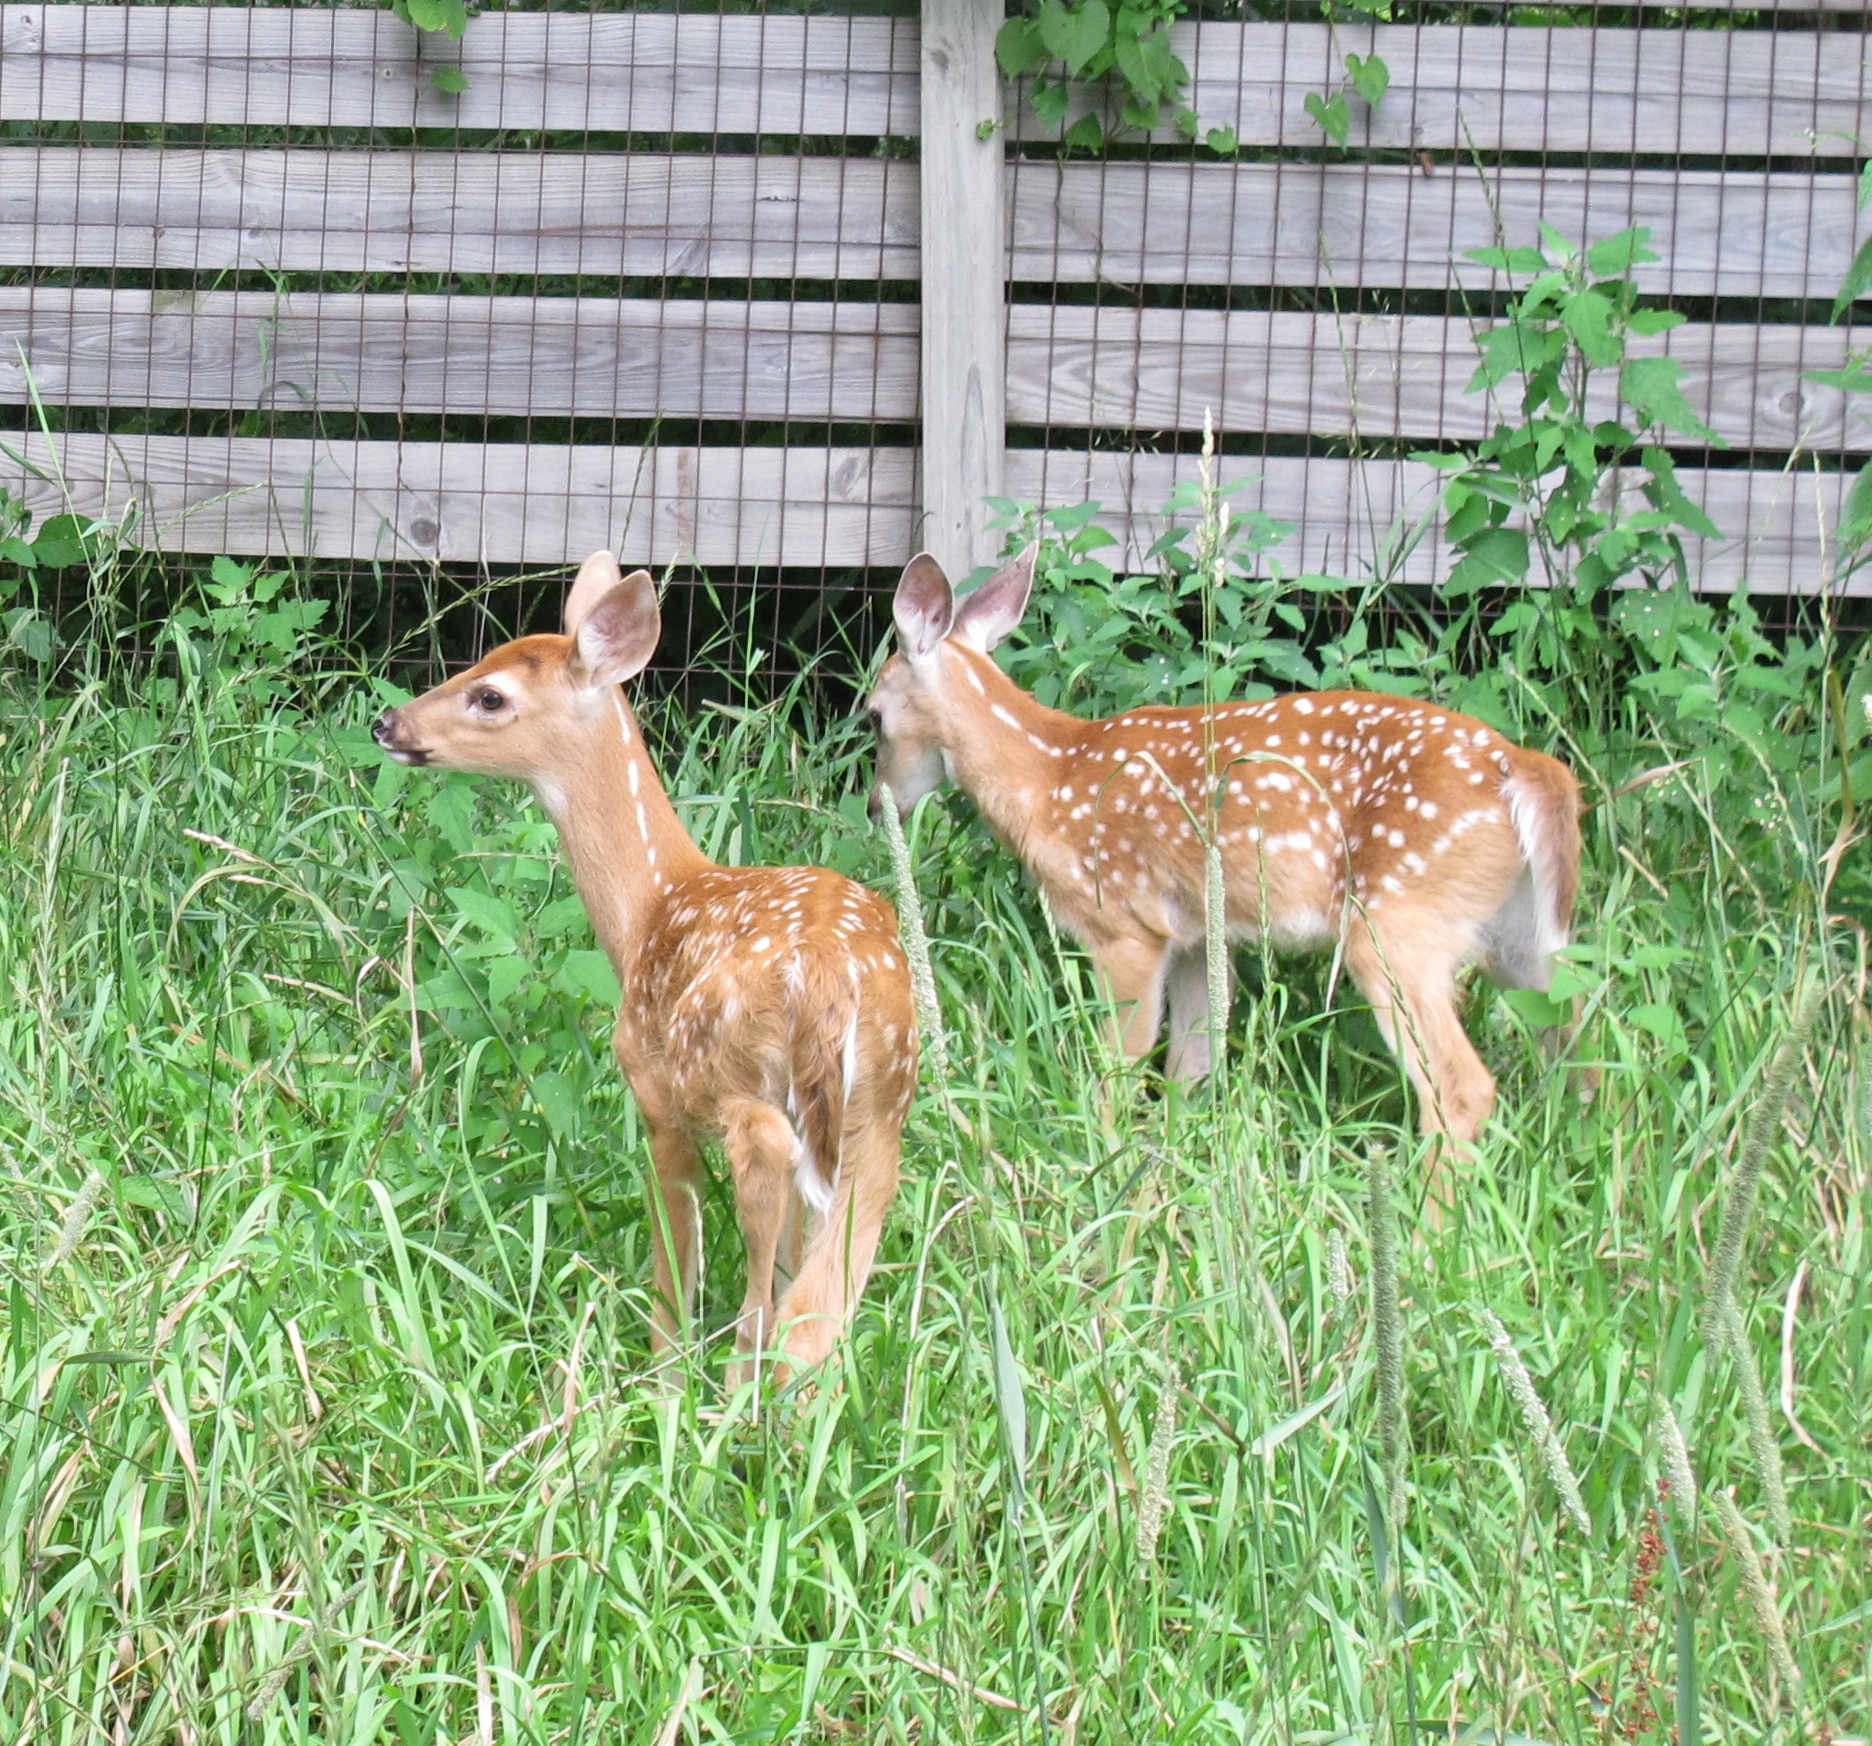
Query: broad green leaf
[1049, 101]
[1371, 78]
[1222, 141]
[1334, 118]
[1073, 34]
[1666, 494]
[1645, 322]
[1522, 260]
[1499, 554]
[450, 80]
[1087, 134]
[1857, 282]
[61, 541]
[1617, 255]
[493, 915]
[590, 974]
[1650, 387]
[1587, 316]
[558, 1101]
[1855, 525]
[1018, 48]
[30, 632]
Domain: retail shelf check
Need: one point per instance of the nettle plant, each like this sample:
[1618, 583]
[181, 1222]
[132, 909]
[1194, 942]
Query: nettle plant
[1581, 480]
[1097, 641]
[26, 555]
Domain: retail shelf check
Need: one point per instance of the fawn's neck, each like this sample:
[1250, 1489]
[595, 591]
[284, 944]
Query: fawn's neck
[622, 839]
[1005, 750]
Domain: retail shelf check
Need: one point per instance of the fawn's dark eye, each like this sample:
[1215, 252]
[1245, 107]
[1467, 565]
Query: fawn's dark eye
[876, 719]
[489, 700]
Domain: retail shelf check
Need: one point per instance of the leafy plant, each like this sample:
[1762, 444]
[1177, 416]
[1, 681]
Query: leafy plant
[1061, 42]
[1562, 468]
[444, 18]
[1853, 540]
[1139, 638]
[1369, 77]
[62, 541]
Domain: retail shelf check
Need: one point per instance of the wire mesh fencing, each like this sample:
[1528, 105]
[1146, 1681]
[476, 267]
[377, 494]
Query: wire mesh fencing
[434, 318]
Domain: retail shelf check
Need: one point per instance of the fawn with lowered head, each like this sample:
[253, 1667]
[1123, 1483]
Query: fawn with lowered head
[766, 1007]
[1413, 838]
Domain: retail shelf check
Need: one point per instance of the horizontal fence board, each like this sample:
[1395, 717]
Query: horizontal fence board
[503, 356]
[1514, 88]
[610, 214]
[1510, 88]
[466, 503]
[1068, 365]
[1348, 512]
[309, 67]
[1383, 375]
[547, 506]
[1738, 234]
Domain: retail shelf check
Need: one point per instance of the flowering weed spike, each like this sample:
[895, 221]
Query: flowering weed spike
[1760, 1591]
[1534, 1415]
[916, 945]
[1388, 1332]
[77, 1216]
[1157, 1470]
[1677, 1468]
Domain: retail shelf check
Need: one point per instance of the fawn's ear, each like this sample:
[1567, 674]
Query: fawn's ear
[597, 576]
[618, 634]
[998, 605]
[924, 606]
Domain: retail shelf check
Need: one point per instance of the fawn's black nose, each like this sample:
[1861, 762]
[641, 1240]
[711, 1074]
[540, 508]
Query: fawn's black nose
[385, 726]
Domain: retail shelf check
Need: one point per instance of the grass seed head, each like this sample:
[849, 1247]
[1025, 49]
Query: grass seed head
[1759, 1589]
[77, 1216]
[1677, 1466]
[1534, 1415]
[1157, 1470]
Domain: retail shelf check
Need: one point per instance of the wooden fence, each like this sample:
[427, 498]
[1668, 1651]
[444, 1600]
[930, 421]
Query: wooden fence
[1758, 203]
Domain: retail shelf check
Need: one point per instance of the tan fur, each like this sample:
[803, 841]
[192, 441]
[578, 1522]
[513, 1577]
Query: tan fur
[747, 992]
[1379, 825]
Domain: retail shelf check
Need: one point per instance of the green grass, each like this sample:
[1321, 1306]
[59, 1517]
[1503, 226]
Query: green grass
[322, 1381]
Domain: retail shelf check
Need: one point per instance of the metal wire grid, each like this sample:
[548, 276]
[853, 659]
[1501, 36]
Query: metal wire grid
[640, 354]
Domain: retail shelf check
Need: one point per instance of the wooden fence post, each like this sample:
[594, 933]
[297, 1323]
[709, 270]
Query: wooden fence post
[964, 279]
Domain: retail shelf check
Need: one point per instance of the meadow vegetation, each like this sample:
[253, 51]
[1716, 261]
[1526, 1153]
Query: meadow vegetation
[325, 1411]
[325, 1414]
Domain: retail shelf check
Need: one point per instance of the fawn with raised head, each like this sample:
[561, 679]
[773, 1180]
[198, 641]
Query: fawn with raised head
[1413, 839]
[766, 1007]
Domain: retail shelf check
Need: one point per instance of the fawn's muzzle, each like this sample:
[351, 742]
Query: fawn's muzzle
[386, 733]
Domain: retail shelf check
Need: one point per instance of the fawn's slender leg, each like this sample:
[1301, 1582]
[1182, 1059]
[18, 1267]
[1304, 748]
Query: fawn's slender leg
[675, 1203]
[1192, 1050]
[761, 1147]
[838, 1259]
[1409, 977]
[1131, 972]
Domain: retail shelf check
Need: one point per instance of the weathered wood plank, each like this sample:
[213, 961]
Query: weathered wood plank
[1740, 233]
[544, 357]
[1346, 513]
[1514, 88]
[964, 277]
[609, 214]
[457, 502]
[548, 506]
[1067, 365]
[1735, 234]
[312, 67]
[1381, 375]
